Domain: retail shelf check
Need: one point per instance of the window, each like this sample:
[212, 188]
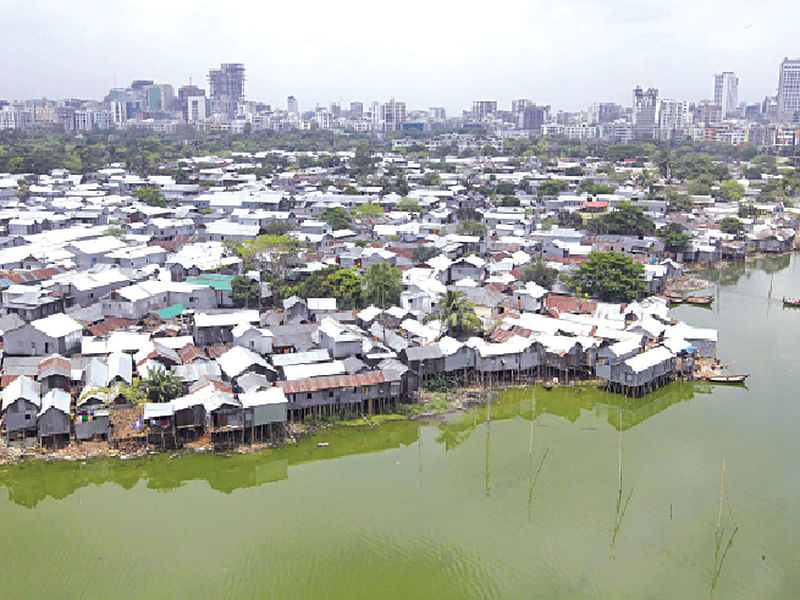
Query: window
[308, 397]
[330, 394]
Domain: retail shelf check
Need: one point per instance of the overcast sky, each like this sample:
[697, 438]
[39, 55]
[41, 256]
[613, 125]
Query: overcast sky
[426, 52]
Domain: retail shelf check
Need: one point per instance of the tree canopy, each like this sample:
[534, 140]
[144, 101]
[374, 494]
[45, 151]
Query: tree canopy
[609, 276]
[457, 315]
[552, 187]
[540, 274]
[150, 196]
[731, 225]
[245, 291]
[626, 219]
[674, 236]
[336, 217]
[382, 285]
[470, 227]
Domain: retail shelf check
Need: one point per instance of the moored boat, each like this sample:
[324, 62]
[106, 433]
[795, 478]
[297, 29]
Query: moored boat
[791, 301]
[727, 378]
[704, 300]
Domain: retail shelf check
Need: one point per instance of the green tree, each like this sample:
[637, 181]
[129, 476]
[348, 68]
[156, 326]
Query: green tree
[731, 225]
[431, 178]
[150, 196]
[421, 253]
[346, 286]
[609, 276]
[569, 218]
[678, 202]
[468, 213]
[574, 171]
[368, 209]
[626, 219]
[277, 227]
[160, 386]
[245, 291]
[409, 205]
[363, 161]
[336, 217]
[505, 188]
[674, 236]
[279, 251]
[509, 201]
[540, 274]
[551, 187]
[382, 285]
[470, 227]
[665, 161]
[729, 191]
[457, 315]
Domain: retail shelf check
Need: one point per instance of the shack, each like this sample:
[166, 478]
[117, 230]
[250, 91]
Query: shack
[53, 420]
[21, 404]
[264, 414]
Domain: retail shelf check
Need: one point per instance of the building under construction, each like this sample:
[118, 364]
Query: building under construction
[226, 88]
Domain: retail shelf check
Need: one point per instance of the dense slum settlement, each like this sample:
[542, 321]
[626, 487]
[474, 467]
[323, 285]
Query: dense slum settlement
[102, 290]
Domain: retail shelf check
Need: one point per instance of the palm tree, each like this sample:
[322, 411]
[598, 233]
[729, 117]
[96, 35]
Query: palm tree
[457, 315]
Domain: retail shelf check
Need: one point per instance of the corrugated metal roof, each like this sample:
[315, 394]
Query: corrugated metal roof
[342, 381]
[416, 353]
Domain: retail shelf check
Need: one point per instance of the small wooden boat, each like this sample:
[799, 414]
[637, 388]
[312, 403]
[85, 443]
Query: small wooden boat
[702, 300]
[791, 301]
[727, 378]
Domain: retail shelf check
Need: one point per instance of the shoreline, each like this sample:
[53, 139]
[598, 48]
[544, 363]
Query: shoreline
[436, 406]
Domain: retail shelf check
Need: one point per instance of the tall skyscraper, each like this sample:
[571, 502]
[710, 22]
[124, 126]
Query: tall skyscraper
[393, 115]
[726, 92]
[673, 116]
[789, 91]
[645, 104]
[226, 88]
[292, 105]
[483, 109]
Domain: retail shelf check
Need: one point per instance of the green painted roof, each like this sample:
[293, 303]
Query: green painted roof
[170, 312]
[218, 282]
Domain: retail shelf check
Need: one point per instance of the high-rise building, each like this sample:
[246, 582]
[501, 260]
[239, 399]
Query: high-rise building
[673, 117]
[789, 91]
[195, 108]
[438, 113]
[226, 88]
[726, 92]
[393, 115]
[603, 112]
[707, 113]
[292, 105]
[356, 110]
[645, 105]
[483, 109]
[533, 117]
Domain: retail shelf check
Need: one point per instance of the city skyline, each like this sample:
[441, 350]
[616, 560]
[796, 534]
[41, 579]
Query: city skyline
[426, 55]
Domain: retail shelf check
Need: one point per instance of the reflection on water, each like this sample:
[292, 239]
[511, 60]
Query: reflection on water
[30, 483]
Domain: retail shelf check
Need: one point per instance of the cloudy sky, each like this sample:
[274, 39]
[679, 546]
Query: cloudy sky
[426, 52]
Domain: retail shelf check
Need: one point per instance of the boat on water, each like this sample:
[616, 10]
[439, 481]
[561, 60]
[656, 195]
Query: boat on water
[702, 300]
[791, 301]
[727, 378]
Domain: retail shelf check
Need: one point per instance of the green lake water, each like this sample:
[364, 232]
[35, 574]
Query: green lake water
[512, 508]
